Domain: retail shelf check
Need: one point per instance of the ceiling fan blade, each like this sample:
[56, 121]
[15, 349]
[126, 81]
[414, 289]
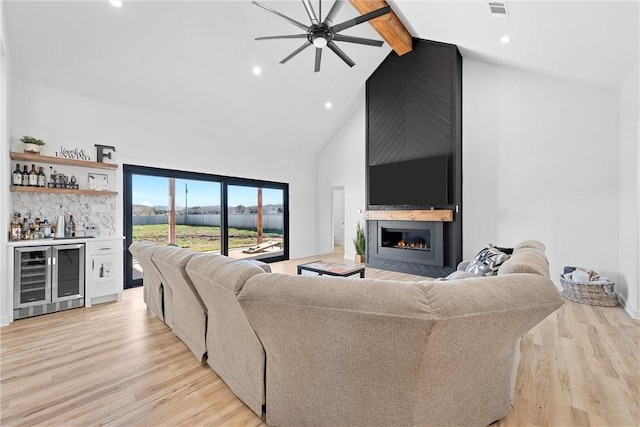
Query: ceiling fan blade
[297, 51]
[360, 19]
[331, 45]
[318, 57]
[294, 36]
[310, 12]
[359, 40]
[286, 18]
[332, 12]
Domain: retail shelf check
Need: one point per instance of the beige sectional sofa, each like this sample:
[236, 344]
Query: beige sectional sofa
[339, 351]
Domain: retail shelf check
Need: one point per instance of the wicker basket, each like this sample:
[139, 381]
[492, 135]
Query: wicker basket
[594, 293]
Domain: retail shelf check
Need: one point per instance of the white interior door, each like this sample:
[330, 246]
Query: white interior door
[337, 215]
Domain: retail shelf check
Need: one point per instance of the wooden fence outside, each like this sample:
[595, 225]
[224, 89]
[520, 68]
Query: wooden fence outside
[241, 221]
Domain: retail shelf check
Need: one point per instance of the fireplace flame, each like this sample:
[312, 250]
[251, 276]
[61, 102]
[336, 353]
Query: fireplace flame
[411, 245]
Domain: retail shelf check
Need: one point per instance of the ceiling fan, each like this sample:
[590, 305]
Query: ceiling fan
[321, 34]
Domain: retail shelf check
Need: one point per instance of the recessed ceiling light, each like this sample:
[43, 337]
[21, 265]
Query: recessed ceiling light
[115, 3]
[505, 39]
[257, 70]
[328, 105]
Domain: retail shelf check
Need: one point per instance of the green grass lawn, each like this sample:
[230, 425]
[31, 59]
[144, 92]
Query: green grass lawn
[199, 238]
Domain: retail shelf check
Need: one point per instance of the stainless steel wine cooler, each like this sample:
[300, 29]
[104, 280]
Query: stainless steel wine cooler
[48, 279]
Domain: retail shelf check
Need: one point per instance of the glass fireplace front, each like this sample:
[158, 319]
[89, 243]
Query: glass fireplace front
[417, 240]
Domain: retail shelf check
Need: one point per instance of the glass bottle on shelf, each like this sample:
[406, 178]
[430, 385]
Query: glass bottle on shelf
[25, 176]
[35, 230]
[26, 231]
[42, 178]
[47, 229]
[67, 229]
[16, 230]
[16, 176]
[52, 178]
[72, 226]
[33, 176]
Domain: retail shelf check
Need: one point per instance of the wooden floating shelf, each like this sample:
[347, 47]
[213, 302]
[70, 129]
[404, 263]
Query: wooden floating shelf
[443, 215]
[39, 158]
[16, 188]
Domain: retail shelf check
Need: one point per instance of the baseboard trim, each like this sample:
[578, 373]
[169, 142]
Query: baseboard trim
[627, 307]
[5, 320]
[106, 298]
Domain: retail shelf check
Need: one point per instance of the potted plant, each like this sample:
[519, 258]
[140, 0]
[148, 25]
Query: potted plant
[31, 144]
[360, 244]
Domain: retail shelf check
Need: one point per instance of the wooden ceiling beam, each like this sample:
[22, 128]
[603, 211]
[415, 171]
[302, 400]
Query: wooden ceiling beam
[389, 26]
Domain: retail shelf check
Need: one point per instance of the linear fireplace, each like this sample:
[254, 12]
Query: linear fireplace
[407, 245]
[413, 242]
[401, 238]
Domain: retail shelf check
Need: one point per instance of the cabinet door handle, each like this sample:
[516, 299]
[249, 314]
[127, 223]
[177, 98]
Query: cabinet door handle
[53, 261]
[48, 260]
[93, 264]
[105, 249]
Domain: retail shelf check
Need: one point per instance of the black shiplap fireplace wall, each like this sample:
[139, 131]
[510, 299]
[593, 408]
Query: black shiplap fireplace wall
[414, 110]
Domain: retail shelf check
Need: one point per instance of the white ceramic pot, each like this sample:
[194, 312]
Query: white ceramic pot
[31, 148]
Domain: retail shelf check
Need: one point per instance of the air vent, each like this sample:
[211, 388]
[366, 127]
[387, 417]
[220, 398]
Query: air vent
[499, 9]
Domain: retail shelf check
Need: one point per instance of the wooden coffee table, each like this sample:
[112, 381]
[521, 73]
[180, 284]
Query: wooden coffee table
[331, 269]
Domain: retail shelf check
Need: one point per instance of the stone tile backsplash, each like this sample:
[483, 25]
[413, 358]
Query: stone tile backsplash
[85, 209]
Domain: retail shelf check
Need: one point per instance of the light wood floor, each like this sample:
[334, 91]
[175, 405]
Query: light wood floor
[117, 364]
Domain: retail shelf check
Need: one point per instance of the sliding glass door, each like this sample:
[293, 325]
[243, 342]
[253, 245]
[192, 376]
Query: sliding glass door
[205, 213]
[255, 218]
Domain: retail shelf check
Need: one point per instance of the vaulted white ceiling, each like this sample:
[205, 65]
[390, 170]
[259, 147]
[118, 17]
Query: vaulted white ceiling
[193, 61]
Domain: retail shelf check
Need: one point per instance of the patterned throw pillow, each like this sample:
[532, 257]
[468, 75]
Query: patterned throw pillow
[487, 262]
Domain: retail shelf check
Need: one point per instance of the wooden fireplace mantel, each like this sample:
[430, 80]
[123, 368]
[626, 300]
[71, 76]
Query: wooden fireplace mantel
[443, 215]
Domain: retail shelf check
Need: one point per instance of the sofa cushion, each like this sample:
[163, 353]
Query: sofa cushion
[233, 349]
[526, 260]
[188, 311]
[153, 292]
[459, 274]
[530, 244]
[263, 265]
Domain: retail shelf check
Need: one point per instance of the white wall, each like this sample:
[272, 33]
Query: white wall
[5, 279]
[628, 285]
[540, 161]
[341, 163]
[72, 121]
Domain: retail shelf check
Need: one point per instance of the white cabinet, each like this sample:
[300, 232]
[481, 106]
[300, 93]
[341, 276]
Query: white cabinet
[104, 271]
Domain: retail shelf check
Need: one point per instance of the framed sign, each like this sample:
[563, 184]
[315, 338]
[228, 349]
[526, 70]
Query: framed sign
[98, 182]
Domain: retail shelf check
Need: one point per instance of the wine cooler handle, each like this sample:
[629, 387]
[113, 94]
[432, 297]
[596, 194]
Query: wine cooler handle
[53, 260]
[48, 260]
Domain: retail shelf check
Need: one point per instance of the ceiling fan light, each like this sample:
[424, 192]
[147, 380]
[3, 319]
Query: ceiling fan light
[320, 42]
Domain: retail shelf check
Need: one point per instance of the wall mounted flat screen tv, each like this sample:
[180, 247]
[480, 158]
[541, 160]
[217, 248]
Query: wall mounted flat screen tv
[420, 182]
